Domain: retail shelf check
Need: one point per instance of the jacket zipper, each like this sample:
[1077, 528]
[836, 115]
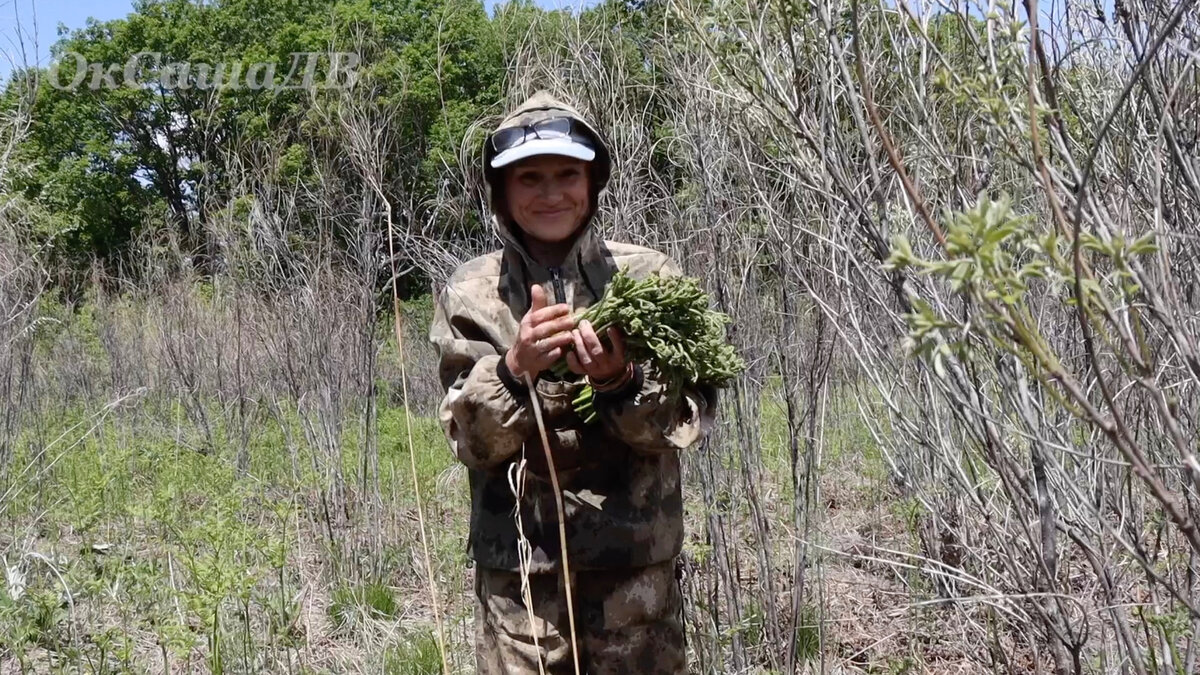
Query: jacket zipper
[560, 293]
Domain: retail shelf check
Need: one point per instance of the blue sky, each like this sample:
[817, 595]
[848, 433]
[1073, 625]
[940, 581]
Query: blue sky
[17, 24]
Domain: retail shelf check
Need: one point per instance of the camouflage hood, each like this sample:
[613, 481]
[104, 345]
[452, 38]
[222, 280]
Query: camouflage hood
[588, 257]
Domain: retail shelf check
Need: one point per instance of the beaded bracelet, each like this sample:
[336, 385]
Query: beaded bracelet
[612, 383]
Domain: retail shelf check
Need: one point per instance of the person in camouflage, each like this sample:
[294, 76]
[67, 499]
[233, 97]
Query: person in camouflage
[505, 317]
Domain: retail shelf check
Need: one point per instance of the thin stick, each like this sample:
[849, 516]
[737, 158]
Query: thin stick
[562, 518]
[412, 452]
[897, 162]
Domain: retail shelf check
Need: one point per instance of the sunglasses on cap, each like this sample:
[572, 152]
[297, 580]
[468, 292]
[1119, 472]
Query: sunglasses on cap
[555, 127]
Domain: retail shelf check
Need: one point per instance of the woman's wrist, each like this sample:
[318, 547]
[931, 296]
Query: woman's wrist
[513, 382]
[613, 383]
[511, 362]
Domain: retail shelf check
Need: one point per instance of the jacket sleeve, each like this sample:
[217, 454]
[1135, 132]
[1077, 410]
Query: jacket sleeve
[650, 418]
[484, 413]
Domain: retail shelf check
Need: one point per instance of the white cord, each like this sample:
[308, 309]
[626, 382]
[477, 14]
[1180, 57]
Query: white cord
[516, 483]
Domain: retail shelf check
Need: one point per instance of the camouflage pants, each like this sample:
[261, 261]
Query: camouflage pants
[626, 621]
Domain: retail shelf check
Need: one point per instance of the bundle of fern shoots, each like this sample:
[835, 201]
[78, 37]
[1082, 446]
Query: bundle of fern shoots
[666, 321]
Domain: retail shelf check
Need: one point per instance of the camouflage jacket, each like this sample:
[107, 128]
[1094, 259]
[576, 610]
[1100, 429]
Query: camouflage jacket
[620, 476]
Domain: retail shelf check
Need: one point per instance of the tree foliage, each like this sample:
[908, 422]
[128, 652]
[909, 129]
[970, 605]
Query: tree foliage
[114, 162]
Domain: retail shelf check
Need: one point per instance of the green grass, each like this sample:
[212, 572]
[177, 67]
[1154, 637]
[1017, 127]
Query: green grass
[372, 600]
[416, 655]
[808, 634]
[164, 546]
[845, 437]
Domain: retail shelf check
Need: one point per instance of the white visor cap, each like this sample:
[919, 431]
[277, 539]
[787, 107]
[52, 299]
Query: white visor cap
[559, 145]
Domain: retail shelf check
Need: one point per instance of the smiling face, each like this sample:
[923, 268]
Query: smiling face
[547, 196]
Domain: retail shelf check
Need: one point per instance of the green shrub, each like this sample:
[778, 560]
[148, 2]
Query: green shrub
[33, 618]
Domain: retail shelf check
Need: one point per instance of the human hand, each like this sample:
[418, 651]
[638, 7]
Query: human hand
[541, 337]
[590, 356]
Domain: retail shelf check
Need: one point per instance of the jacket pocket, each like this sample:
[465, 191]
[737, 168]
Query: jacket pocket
[556, 397]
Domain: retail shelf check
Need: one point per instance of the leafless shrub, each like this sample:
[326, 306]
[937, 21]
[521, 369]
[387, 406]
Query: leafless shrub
[23, 281]
[1044, 446]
